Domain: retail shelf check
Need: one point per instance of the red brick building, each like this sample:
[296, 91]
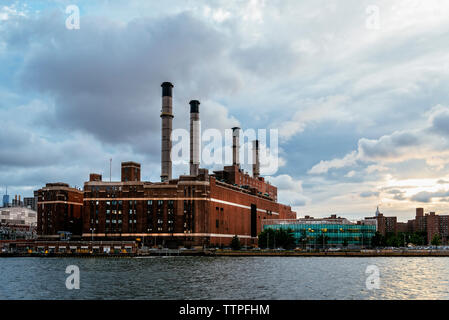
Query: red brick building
[189, 210]
[432, 224]
[59, 209]
[385, 224]
[193, 210]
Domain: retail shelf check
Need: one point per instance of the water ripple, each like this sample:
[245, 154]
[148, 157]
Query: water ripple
[225, 278]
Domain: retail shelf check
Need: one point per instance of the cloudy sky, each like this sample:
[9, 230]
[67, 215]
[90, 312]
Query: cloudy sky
[358, 91]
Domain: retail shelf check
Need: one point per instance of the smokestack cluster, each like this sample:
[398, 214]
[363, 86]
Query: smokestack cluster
[256, 164]
[194, 137]
[167, 125]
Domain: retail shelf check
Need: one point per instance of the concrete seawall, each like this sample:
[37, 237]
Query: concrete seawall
[230, 253]
[368, 253]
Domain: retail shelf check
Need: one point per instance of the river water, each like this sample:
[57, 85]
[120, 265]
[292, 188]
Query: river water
[269, 278]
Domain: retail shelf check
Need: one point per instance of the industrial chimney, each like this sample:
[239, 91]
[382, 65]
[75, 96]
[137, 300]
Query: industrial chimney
[235, 146]
[194, 137]
[167, 120]
[256, 164]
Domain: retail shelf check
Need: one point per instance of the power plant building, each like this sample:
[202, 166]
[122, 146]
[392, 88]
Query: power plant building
[199, 209]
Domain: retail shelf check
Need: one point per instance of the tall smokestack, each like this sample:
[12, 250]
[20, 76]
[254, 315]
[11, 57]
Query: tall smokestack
[235, 146]
[256, 164]
[167, 120]
[194, 137]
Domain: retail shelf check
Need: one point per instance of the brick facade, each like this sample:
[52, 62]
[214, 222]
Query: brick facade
[190, 211]
[59, 208]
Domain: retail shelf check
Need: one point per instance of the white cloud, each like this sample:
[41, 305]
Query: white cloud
[309, 68]
[289, 190]
[325, 165]
[314, 111]
[429, 143]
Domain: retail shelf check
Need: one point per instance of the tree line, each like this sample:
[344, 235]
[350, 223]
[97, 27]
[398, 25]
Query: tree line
[402, 239]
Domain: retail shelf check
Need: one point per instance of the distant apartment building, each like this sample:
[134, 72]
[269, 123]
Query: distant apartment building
[30, 202]
[402, 227]
[430, 223]
[385, 224]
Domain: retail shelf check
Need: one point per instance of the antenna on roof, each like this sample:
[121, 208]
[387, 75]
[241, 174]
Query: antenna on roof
[110, 169]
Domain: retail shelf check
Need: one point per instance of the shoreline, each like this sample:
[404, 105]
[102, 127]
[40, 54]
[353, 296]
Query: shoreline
[230, 253]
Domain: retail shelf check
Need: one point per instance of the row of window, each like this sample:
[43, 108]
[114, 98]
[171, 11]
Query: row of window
[114, 216]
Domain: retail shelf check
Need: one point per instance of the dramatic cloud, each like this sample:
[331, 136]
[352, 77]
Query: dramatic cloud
[361, 105]
[428, 143]
[106, 77]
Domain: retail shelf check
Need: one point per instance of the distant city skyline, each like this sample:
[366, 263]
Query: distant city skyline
[357, 90]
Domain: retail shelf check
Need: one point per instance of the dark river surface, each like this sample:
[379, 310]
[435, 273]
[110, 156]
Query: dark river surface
[269, 278]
